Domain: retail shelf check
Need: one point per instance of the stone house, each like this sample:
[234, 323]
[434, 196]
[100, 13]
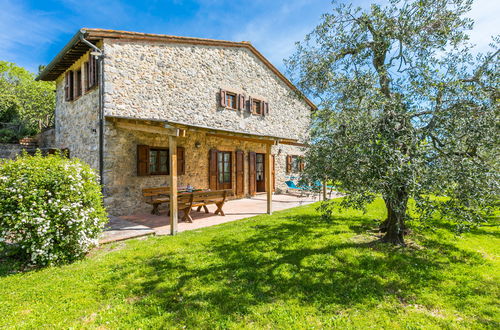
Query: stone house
[124, 99]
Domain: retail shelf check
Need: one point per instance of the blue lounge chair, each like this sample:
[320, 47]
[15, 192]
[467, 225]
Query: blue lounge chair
[293, 187]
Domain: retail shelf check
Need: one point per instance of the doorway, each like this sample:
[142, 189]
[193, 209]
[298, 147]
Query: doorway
[260, 172]
[224, 167]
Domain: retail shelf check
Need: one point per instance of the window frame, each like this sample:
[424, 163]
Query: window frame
[234, 97]
[158, 161]
[220, 174]
[257, 112]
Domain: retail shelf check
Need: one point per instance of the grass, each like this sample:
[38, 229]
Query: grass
[289, 270]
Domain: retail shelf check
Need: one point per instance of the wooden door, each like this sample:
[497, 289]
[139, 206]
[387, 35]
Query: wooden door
[260, 172]
[251, 174]
[212, 169]
[240, 173]
[224, 170]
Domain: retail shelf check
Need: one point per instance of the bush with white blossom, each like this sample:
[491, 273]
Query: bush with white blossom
[51, 208]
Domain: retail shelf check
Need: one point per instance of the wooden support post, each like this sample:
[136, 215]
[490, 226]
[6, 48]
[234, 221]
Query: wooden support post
[172, 147]
[269, 179]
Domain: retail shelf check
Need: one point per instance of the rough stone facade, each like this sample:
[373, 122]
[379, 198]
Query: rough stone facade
[180, 82]
[76, 122]
[177, 83]
[124, 187]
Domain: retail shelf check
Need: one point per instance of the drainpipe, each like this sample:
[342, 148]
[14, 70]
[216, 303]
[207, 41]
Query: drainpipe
[99, 53]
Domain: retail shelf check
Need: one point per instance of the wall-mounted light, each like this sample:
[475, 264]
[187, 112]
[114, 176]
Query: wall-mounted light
[279, 151]
[197, 144]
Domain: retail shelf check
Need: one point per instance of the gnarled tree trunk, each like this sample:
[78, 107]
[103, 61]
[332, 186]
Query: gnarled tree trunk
[394, 225]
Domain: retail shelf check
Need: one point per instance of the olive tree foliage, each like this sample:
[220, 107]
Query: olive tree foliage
[405, 111]
[26, 106]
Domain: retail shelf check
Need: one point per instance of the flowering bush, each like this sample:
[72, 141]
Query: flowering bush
[50, 208]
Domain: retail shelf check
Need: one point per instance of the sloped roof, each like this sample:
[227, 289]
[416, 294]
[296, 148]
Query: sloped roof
[75, 48]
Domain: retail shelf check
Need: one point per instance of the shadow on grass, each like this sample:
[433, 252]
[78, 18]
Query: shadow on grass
[295, 258]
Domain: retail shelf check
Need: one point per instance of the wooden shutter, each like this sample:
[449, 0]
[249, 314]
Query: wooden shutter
[240, 174]
[252, 180]
[142, 160]
[262, 108]
[93, 72]
[301, 165]
[288, 164]
[181, 161]
[86, 69]
[273, 172]
[266, 109]
[223, 98]
[68, 86]
[212, 169]
[241, 102]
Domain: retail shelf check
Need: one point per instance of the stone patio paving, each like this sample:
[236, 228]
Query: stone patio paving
[141, 224]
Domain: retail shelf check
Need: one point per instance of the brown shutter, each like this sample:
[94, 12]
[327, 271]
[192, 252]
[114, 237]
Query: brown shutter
[240, 174]
[67, 96]
[252, 183]
[262, 108]
[181, 161]
[223, 98]
[288, 164]
[90, 73]
[142, 160]
[301, 165]
[86, 73]
[212, 169]
[241, 102]
[266, 109]
[273, 172]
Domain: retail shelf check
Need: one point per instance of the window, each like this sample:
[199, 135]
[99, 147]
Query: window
[259, 167]
[224, 166]
[77, 84]
[155, 161]
[256, 107]
[231, 101]
[158, 162]
[294, 164]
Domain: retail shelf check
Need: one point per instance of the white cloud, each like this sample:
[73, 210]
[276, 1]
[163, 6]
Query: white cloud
[485, 14]
[24, 29]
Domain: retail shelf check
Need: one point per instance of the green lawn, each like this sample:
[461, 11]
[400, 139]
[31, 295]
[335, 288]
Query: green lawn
[289, 270]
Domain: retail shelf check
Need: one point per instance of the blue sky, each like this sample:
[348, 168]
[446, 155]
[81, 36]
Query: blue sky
[34, 31]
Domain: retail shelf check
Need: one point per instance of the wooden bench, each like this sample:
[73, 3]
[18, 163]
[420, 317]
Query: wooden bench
[201, 199]
[155, 197]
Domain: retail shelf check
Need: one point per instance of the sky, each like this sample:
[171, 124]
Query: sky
[34, 31]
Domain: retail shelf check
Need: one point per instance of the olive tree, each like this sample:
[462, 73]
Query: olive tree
[405, 111]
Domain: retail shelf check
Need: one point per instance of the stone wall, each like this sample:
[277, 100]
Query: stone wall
[10, 151]
[76, 122]
[47, 138]
[180, 82]
[124, 187]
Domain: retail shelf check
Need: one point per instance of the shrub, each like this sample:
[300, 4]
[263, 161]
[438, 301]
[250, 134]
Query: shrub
[50, 208]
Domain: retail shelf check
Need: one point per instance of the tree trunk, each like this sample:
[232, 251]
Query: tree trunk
[394, 225]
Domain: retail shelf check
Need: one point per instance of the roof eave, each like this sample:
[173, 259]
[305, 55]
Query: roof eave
[43, 75]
